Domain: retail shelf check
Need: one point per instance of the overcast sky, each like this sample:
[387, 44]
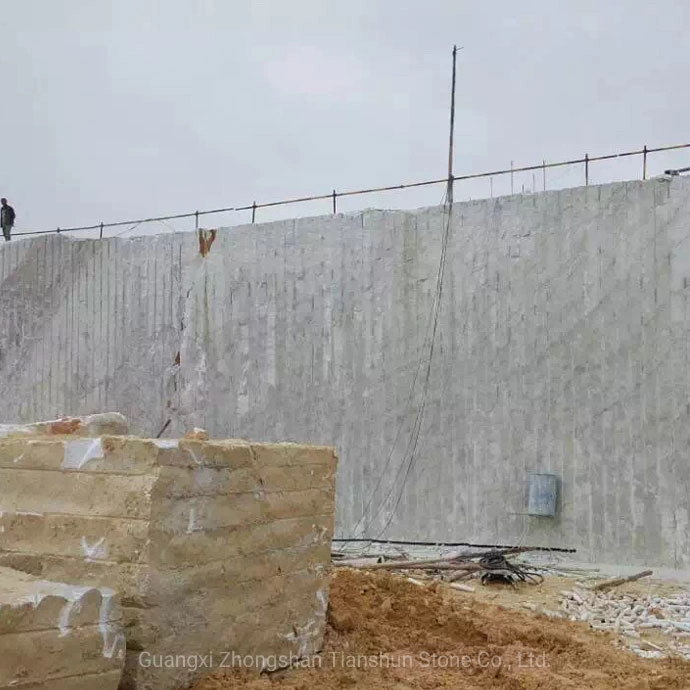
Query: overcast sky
[114, 109]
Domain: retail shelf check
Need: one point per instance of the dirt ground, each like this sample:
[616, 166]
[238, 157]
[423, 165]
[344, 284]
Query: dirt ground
[385, 632]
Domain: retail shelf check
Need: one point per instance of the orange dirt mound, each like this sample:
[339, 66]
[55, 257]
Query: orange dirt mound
[385, 632]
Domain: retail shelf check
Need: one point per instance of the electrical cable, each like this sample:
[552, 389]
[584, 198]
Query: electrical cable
[382, 474]
[409, 457]
[404, 542]
[422, 410]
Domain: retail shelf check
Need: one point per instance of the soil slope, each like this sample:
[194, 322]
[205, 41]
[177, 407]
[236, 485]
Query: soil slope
[384, 631]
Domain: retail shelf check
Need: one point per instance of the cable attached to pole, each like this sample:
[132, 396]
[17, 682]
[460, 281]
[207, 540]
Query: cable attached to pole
[407, 463]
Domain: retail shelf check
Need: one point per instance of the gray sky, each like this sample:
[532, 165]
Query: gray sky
[122, 108]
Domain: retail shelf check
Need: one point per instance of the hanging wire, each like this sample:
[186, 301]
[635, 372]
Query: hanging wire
[430, 332]
[119, 234]
[409, 458]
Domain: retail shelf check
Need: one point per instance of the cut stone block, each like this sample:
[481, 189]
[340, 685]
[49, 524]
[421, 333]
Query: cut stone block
[214, 546]
[55, 634]
[90, 681]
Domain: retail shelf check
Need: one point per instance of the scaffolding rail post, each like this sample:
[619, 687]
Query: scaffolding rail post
[448, 181]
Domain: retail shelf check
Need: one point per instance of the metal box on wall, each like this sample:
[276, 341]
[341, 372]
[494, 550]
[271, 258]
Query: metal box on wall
[542, 497]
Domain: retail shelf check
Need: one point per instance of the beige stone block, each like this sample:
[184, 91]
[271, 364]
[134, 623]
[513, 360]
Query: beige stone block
[186, 482]
[169, 668]
[132, 581]
[200, 513]
[296, 477]
[208, 542]
[38, 655]
[300, 589]
[208, 513]
[290, 532]
[295, 627]
[204, 649]
[144, 630]
[20, 453]
[201, 480]
[75, 536]
[126, 455]
[29, 603]
[109, 680]
[76, 493]
[233, 572]
[107, 454]
[194, 453]
[74, 607]
[169, 550]
[219, 646]
[291, 454]
[52, 629]
[213, 595]
[295, 504]
[214, 638]
[183, 550]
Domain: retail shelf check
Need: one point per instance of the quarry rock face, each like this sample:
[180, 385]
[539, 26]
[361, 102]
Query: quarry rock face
[559, 350]
[214, 547]
[57, 636]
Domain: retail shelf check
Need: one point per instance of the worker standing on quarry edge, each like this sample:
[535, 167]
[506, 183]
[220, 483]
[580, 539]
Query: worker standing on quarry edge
[6, 219]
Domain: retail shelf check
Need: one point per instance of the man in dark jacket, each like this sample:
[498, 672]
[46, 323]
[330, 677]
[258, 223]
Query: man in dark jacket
[6, 219]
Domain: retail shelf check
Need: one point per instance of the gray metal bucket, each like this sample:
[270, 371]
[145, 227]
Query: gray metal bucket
[543, 494]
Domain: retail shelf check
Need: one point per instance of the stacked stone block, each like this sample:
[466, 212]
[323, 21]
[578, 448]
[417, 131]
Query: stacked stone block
[214, 546]
[55, 636]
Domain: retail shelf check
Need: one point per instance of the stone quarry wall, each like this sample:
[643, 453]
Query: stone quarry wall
[562, 347]
[212, 546]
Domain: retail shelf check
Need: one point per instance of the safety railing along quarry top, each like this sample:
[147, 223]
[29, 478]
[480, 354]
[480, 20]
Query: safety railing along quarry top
[333, 196]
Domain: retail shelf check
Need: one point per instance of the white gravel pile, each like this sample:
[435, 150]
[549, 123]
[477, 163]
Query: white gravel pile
[631, 614]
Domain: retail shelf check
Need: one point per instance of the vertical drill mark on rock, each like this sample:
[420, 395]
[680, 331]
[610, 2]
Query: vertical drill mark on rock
[193, 524]
[63, 619]
[112, 637]
[73, 595]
